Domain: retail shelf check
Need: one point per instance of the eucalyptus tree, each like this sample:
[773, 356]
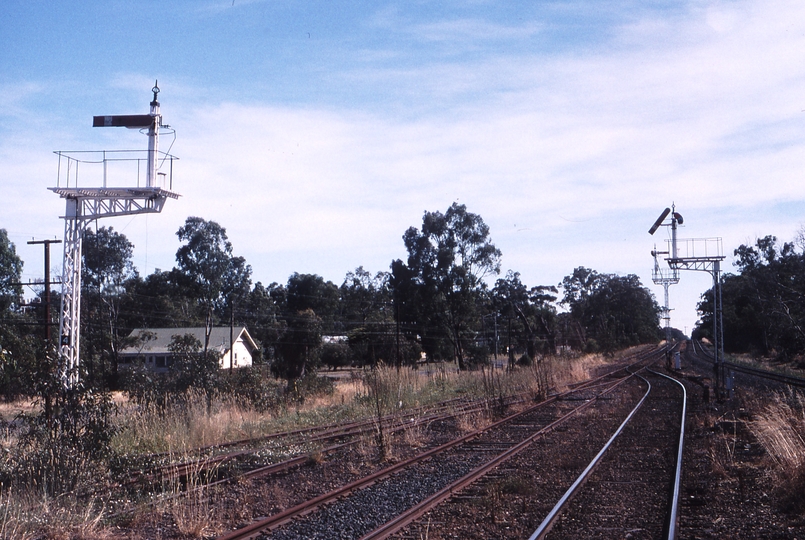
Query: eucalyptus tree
[10, 272]
[262, 313]
[17, 342]
[106, 269]
[298, 346]
[441, 283]
[214, 275]
[311, 292]
[764, 304]
[611, 311]
[529, 314]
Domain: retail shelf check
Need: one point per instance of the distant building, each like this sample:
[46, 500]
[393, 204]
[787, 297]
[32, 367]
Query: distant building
[156, 356]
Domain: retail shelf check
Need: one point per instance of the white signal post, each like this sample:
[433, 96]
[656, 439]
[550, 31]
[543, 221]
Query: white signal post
[701, 254]
[86, 204]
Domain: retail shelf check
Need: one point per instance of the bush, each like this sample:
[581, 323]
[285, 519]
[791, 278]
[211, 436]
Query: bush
[311, 385]
[253, 388]
[67, 450]
[335, 355]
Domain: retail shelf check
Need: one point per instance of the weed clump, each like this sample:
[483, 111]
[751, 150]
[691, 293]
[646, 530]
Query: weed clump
[780, 429]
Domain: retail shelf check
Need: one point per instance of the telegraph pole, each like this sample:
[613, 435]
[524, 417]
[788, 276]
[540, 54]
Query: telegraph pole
[47, 323]
[46, 318]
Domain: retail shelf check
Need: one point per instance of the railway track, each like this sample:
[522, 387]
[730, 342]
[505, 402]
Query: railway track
[631, 489]
[699, 355]
[399, 494]
[258, 455]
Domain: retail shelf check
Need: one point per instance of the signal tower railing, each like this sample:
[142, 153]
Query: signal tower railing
[104, 167]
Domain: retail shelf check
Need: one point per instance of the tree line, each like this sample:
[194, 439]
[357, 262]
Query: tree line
[763, 304]
[445, 302]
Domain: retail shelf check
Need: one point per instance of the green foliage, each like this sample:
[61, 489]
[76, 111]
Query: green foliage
[10, 271]
[213, 276]
[528, 316]
[106, 268]
[190, 368]
[438, 291]
[335, 355]
[608, 312]
[253, 388]
[309, 292]
[18, 358]
[364, 296]
[378, 342]
[65, 448]
[763, 307]
[260, 313]
[297, 347]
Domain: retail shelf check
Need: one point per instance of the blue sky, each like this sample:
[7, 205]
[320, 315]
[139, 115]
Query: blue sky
[317, 132]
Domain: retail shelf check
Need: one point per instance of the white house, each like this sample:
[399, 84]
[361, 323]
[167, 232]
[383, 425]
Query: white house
[154, 352]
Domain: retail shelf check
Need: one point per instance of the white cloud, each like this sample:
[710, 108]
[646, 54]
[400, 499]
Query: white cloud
[568, 157]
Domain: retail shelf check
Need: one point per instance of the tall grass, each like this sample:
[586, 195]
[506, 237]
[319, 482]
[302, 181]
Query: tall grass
[190, 423]
[780, 429]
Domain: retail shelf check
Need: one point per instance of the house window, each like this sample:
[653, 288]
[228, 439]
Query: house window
[164, 361]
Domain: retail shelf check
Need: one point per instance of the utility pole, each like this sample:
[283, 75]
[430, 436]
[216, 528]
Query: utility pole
[46, 322]
[47, 283]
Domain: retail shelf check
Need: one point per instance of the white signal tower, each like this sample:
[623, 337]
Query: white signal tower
[701, 254]
[86, 204]
[666, 278]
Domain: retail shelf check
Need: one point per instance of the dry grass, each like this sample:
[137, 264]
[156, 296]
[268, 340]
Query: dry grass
[25, 407]
[413, 433]
[25, 516]
[180, 429]
[467, 423]
[145, 430]
[780, 429]
[190, 503]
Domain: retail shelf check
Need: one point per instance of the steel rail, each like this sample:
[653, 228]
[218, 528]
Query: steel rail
[673, 514]
[254, 529]
[756, 372]
[322, 433]
[550, 519]
[415, 512]
[335, 426]
[334, 431]
[181, 470]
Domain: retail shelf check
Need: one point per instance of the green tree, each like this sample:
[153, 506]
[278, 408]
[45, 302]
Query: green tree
[18, 344]
[363, 296]
[764, 305]
[10, 272]
[212, 273]
[441, 285]
[298, 346]
[611, 311]
[163, 299]
[529, 315]
[311, 292]
[261, 312]
[106, 268]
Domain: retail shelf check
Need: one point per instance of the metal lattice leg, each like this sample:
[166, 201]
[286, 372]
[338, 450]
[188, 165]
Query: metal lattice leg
[69, 320]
